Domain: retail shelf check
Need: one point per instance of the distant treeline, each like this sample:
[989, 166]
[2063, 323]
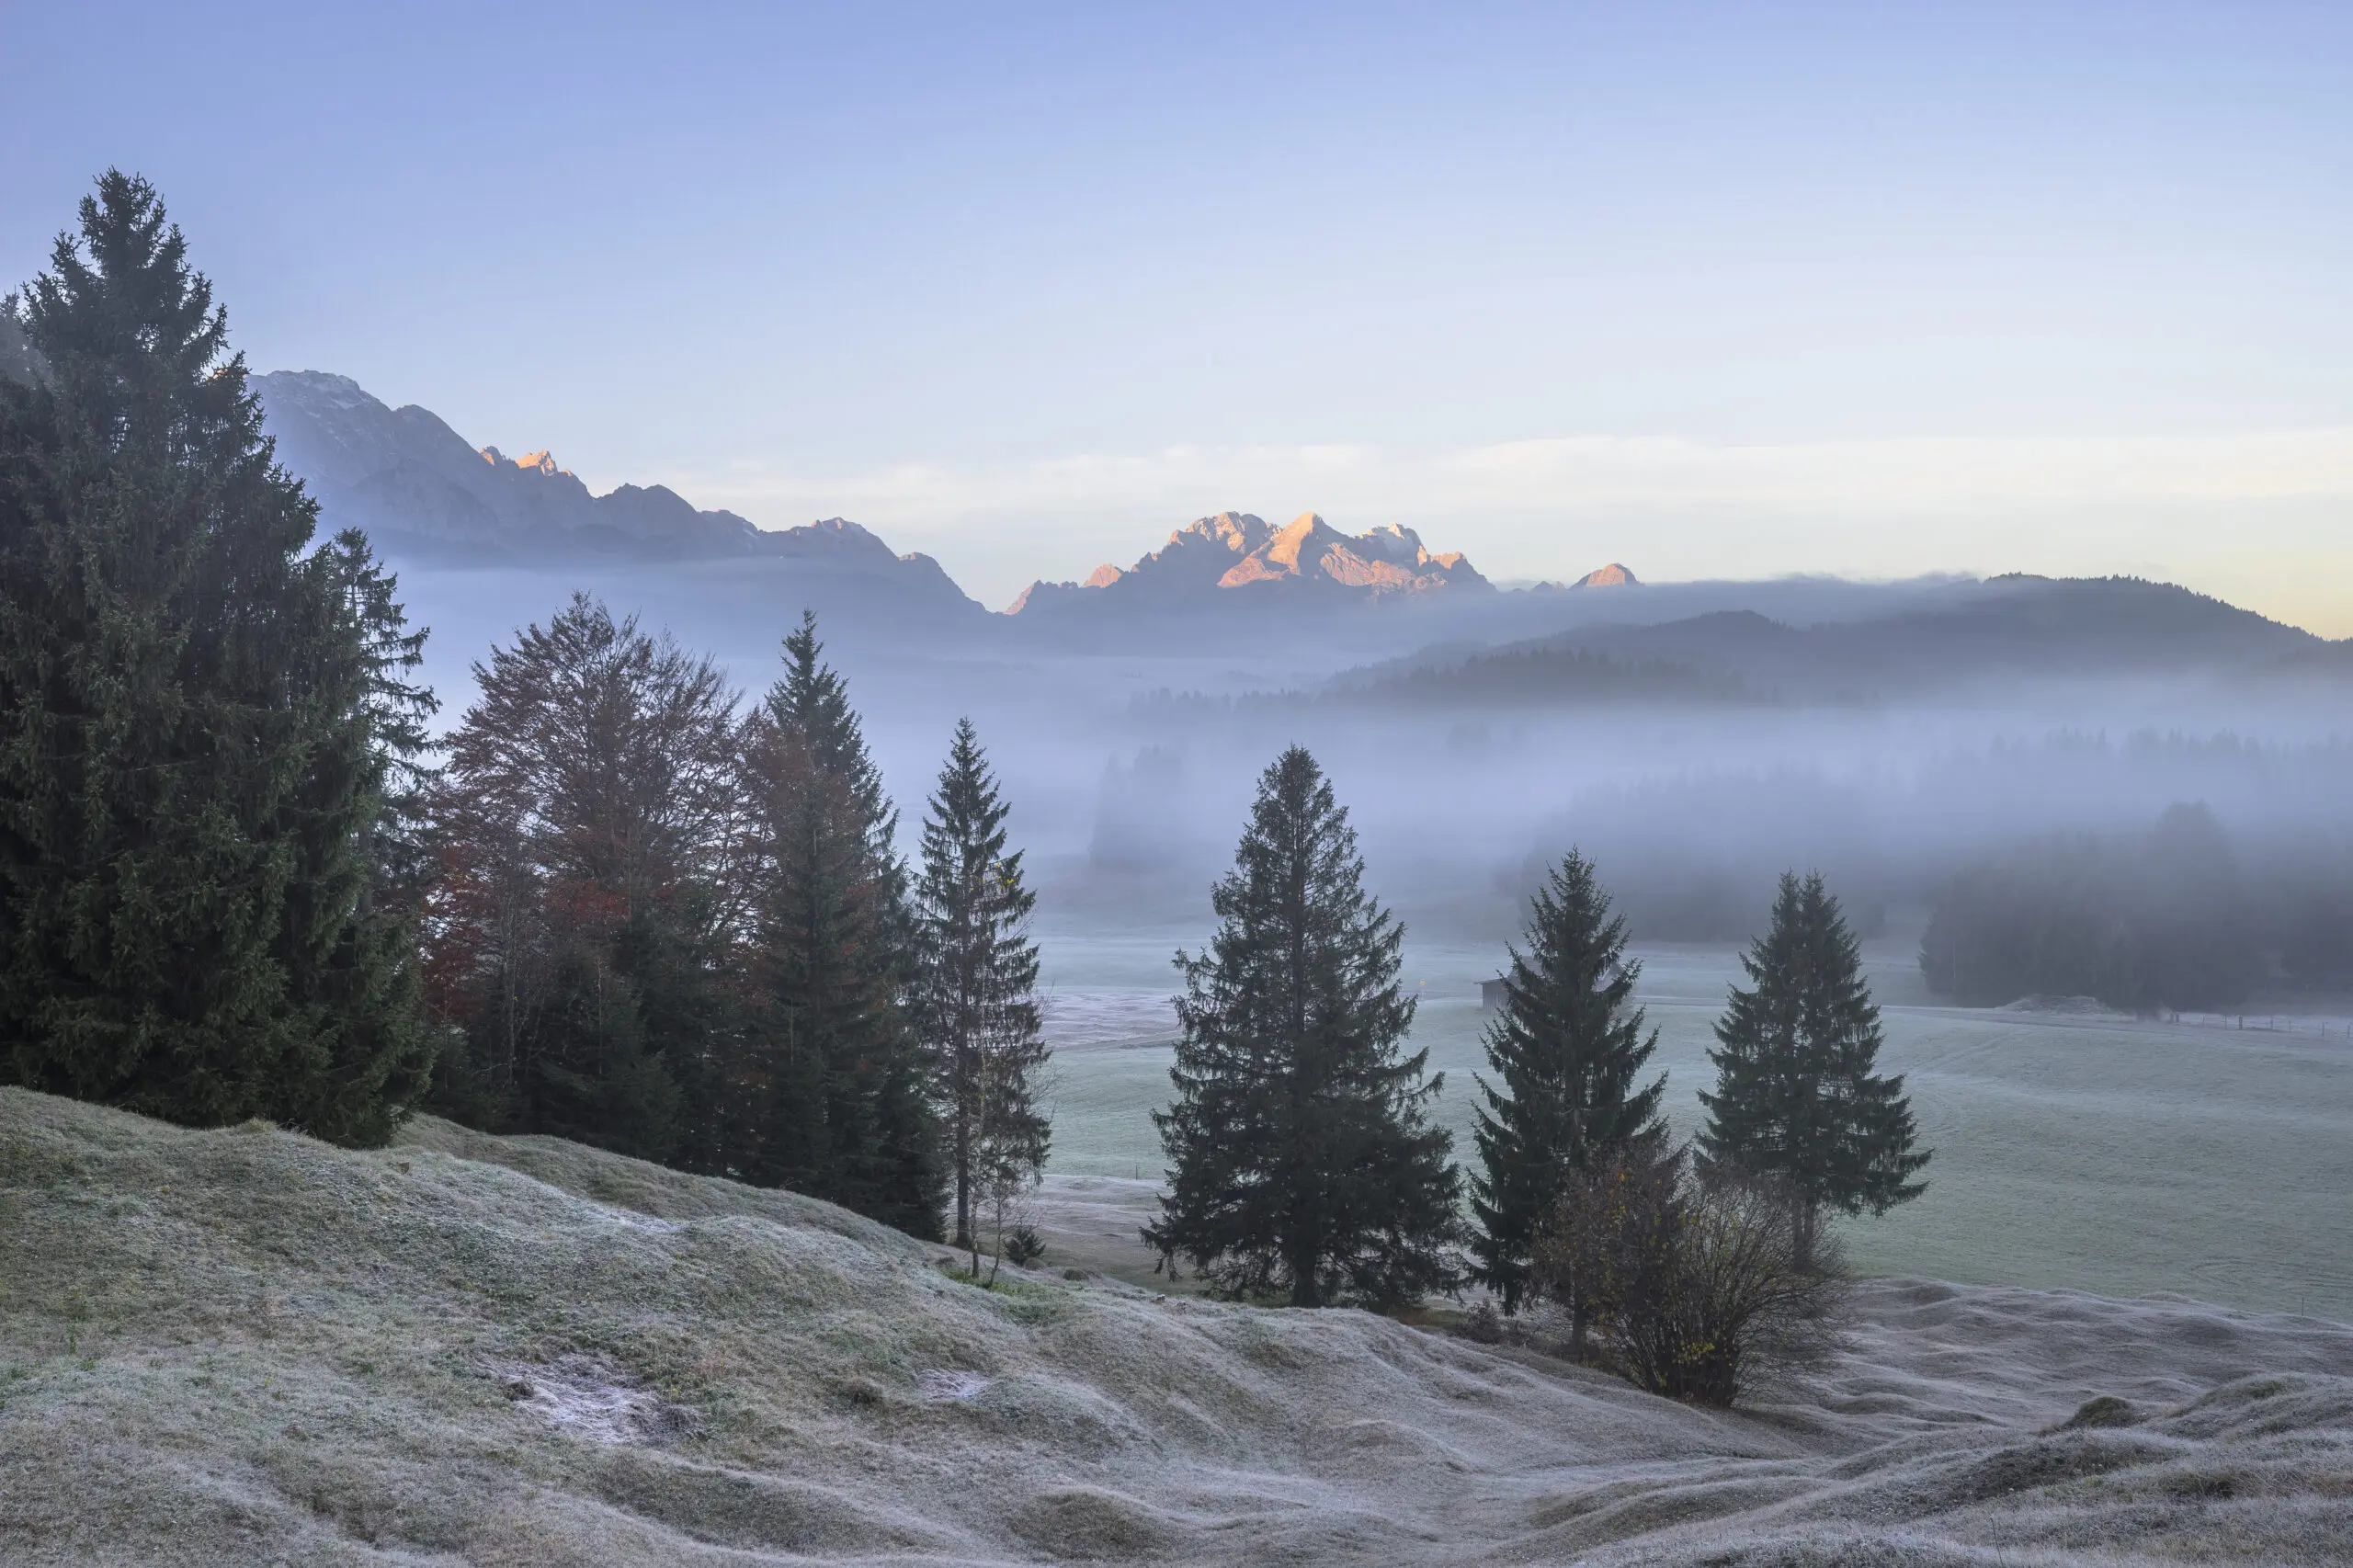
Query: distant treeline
[1524, 677]
[2169, 919]
[1697, 858]
[1518, 678]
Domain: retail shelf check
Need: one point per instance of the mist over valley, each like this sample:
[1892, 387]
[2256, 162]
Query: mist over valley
[2116, 816]
[1696, 738]
[1190, 786]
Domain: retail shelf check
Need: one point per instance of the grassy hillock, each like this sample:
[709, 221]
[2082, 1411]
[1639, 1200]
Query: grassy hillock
[244, 1347]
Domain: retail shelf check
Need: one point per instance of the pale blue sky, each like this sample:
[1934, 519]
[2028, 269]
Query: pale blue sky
[1710, 289]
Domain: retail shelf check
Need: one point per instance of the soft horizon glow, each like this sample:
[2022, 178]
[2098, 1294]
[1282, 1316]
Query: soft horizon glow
[2224, 515]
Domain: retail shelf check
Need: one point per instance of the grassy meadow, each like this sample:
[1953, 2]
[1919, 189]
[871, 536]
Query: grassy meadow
[2083, 1151]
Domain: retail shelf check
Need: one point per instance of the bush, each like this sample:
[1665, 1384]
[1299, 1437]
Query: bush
[1688, 1286]
[1485, 1325]
[1023, 1246]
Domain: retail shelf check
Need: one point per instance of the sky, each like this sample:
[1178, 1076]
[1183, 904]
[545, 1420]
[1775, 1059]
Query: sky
[1711, 290]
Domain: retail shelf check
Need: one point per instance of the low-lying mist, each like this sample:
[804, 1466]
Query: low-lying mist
[1692, 773]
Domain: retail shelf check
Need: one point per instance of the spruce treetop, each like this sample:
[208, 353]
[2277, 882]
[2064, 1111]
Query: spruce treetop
[811, 707]
[966, 808]
[134, 340]
[974, 905]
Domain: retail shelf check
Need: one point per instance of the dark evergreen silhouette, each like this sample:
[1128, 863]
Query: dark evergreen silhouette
[1567, 1049]
[202, 724]
[365, 868]
[1301, 1157]
[848, 1114]
[1798, 1104]
[17, 361]
[979, 1002]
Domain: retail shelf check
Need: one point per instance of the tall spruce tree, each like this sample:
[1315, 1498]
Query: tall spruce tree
[1301, 1157]
[1797, 1102]
[848, 1116]
[1567, 1049]
[978, 1003]
[364, 871]
[197, 754]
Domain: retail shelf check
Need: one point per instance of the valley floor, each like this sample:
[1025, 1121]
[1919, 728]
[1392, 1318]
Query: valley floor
[242, 1347]
[2073, 1150]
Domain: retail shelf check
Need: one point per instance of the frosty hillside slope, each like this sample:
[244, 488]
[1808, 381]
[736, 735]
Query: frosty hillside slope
[244, 1347]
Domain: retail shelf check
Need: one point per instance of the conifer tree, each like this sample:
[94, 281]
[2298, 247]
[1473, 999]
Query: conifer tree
[848, 1116]
[1567, 1049]
[364, 868]
[200, 724]
[1797, 1102]
[978, 1003]
[1301, 1156]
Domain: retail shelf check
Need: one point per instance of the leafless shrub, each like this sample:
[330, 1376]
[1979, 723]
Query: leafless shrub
[1005, 1229]
[1605, 1254]
[1688, 1287]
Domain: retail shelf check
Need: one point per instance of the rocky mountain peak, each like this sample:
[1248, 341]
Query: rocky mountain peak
[835, 537]
[1240, 532]
[1379, 560]
[1234, 551]
[529, 463]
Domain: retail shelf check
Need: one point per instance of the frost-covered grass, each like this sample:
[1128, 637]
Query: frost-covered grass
[2073, 1150]
[242, 1347]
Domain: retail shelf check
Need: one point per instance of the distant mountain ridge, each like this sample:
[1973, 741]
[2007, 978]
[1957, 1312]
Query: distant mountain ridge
[429, 499]
[1240, 553]
[2002, 628]
[421, 493]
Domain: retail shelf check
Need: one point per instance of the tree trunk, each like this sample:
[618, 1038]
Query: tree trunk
[1806, 1230]
[961, 1093]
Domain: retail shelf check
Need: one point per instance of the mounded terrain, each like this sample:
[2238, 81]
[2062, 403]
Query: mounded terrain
[245, 1347]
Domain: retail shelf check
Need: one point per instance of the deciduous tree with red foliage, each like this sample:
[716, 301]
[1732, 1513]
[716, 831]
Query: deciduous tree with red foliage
[591, 826]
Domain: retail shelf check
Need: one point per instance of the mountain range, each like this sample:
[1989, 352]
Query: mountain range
[424, 496]
[422, 493]
[1999, 628]
[430, 500]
